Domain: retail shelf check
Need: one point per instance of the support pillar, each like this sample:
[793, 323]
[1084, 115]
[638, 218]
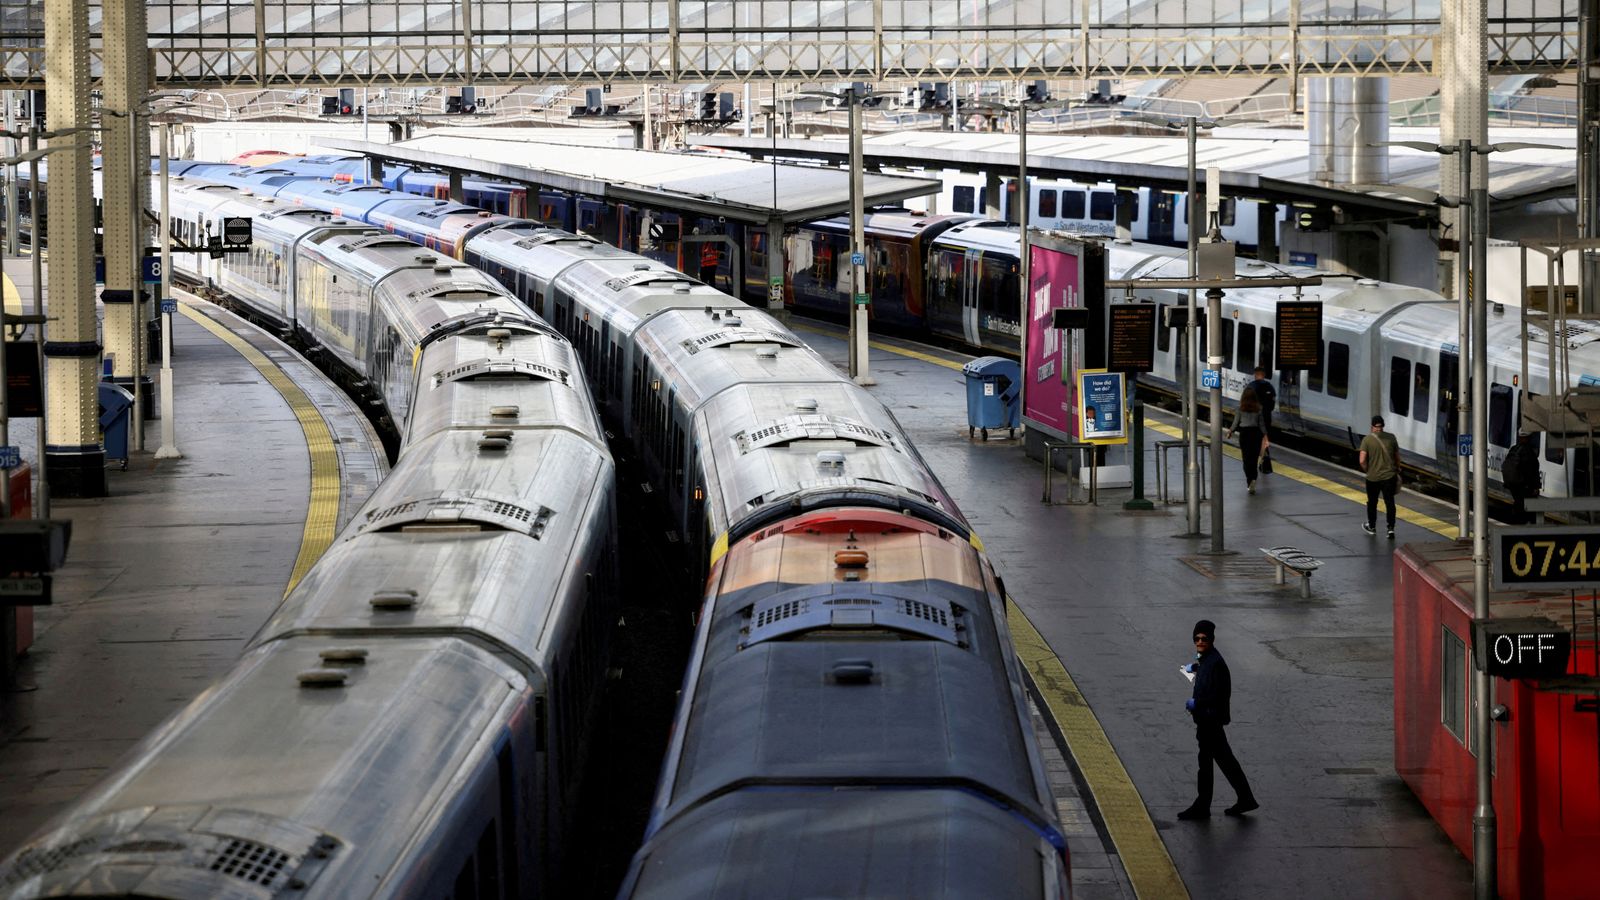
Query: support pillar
[125, 173]
[457, 193]
[1267, 231]
[1589, 151]
[992, 186]
[76, 462]
[777, 271]
[1127, 205]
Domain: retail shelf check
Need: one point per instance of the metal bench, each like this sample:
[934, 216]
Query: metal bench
[1303, 564]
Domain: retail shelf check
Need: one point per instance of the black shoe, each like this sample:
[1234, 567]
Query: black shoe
[1391, 532]
[1367, 527]
[1195, 812]
[1242, 807]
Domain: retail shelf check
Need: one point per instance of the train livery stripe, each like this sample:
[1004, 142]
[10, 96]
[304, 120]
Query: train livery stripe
[323, 511]
[1421, 520]
[1144, 856]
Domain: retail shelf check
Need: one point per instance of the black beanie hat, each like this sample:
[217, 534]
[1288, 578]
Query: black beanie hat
[1205, 627]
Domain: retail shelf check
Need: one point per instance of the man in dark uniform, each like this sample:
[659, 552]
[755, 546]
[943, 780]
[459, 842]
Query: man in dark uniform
[1209, 707]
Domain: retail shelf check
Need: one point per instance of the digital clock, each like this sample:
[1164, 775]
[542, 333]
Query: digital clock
[1545, 557]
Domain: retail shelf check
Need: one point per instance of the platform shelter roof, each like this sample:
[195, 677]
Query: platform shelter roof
[1255, 163]
[730, 186]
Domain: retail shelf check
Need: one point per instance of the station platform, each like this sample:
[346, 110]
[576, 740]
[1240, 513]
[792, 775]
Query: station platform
[170, 575]
[1105, 600]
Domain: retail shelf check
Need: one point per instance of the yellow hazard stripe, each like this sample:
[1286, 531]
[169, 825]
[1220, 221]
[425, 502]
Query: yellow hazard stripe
[322, 512]
[1421, 520]
[1144, 855]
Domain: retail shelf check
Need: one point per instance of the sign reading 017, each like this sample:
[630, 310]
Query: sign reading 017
[1545, 557]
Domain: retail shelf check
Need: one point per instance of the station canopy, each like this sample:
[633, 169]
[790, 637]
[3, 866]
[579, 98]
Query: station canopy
[1254, 163]
[736, 188]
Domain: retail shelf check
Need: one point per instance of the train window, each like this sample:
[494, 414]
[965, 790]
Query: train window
[1338, 369]
[1163, 333]
[1264, 357]
[1554, 452]
[1047, 204]
[1501, 427]
[1226, 212]
[1247, 346]
[961, 198]
[1103, 205]
[1420, 385]
[1227, 339]
[1399, 386]
[1134, 201]
[488, 862]
[983, 200]
[1452, 684]
[1072, 204]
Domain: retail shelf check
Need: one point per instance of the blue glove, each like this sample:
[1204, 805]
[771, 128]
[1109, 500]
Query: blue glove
[1190, 668]
[1189, 704]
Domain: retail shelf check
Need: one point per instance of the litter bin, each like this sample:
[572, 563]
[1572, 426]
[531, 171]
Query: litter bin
[993, 388]
[116, 405]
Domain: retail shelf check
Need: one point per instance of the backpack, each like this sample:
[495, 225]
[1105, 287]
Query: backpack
[1511, 467]
[1266, 394]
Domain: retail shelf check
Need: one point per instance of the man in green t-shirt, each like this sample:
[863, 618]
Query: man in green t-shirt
[1380, 459]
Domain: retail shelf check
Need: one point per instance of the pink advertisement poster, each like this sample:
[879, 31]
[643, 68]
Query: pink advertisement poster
[1049, 400]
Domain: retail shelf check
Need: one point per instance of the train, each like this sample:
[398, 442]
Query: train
[954, 276]
[413, 719]
[1155, 216]
[818, 540]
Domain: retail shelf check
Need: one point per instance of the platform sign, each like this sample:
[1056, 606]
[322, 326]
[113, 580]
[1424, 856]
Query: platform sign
[1463, 445]
[99, 270]
[1131, 346]
[25, 590]
[858, 259]
[1544, 557]
[1299, 334]
[1100, 407]
[1210, 378]
[10, 456]
[237, 230]
[1521, 648]
[169, 306]
[1302, 258]
[150, 270]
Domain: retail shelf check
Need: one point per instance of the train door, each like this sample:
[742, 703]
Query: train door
[1446, 430]
[1286, 417]
[1159, 224]
[971, 290]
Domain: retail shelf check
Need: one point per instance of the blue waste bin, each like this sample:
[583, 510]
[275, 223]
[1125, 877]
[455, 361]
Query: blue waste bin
[116, 404]
[994, 388]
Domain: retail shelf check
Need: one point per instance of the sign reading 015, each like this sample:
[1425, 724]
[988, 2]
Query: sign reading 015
[1539, 556]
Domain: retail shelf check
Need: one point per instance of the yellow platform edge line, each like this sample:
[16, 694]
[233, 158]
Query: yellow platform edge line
[1144, 855]
[322, 512]
[1422, 520]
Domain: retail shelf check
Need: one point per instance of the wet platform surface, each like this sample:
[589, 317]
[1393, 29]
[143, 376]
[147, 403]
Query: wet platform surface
[169, 576]
[1115, 595]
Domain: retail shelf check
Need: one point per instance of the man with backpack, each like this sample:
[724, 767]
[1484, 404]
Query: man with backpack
[1520, 471]
[1380, 459]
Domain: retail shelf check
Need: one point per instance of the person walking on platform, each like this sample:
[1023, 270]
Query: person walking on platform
[1520, 471]
[1251, 435]
[1380, 459]
[1266, 395]
[1213, 688]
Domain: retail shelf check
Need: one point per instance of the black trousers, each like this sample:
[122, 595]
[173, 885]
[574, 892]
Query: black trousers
[1386, 488]
[1213, 740]
[1250, 450]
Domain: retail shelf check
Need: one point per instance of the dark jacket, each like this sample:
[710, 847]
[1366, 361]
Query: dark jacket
[1212, 689]
[1265, 393]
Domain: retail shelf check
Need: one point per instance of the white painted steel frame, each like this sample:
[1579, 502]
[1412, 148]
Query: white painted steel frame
[261, 43]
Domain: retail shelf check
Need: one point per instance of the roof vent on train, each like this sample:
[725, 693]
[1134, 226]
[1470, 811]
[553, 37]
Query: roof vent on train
[380, 239]
[545, 237]
[453, 508]
[843, 610]
[501, 370]
[806, 405]
[212, 848]
[1367, 282]
[649, 276]
[812, 427]
[441, 270]
[728, 336]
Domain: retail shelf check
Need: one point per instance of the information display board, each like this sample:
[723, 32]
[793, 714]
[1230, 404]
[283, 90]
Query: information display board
[1521, 648]
[1545, 557]
[1299, 334]
[1131, 346]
